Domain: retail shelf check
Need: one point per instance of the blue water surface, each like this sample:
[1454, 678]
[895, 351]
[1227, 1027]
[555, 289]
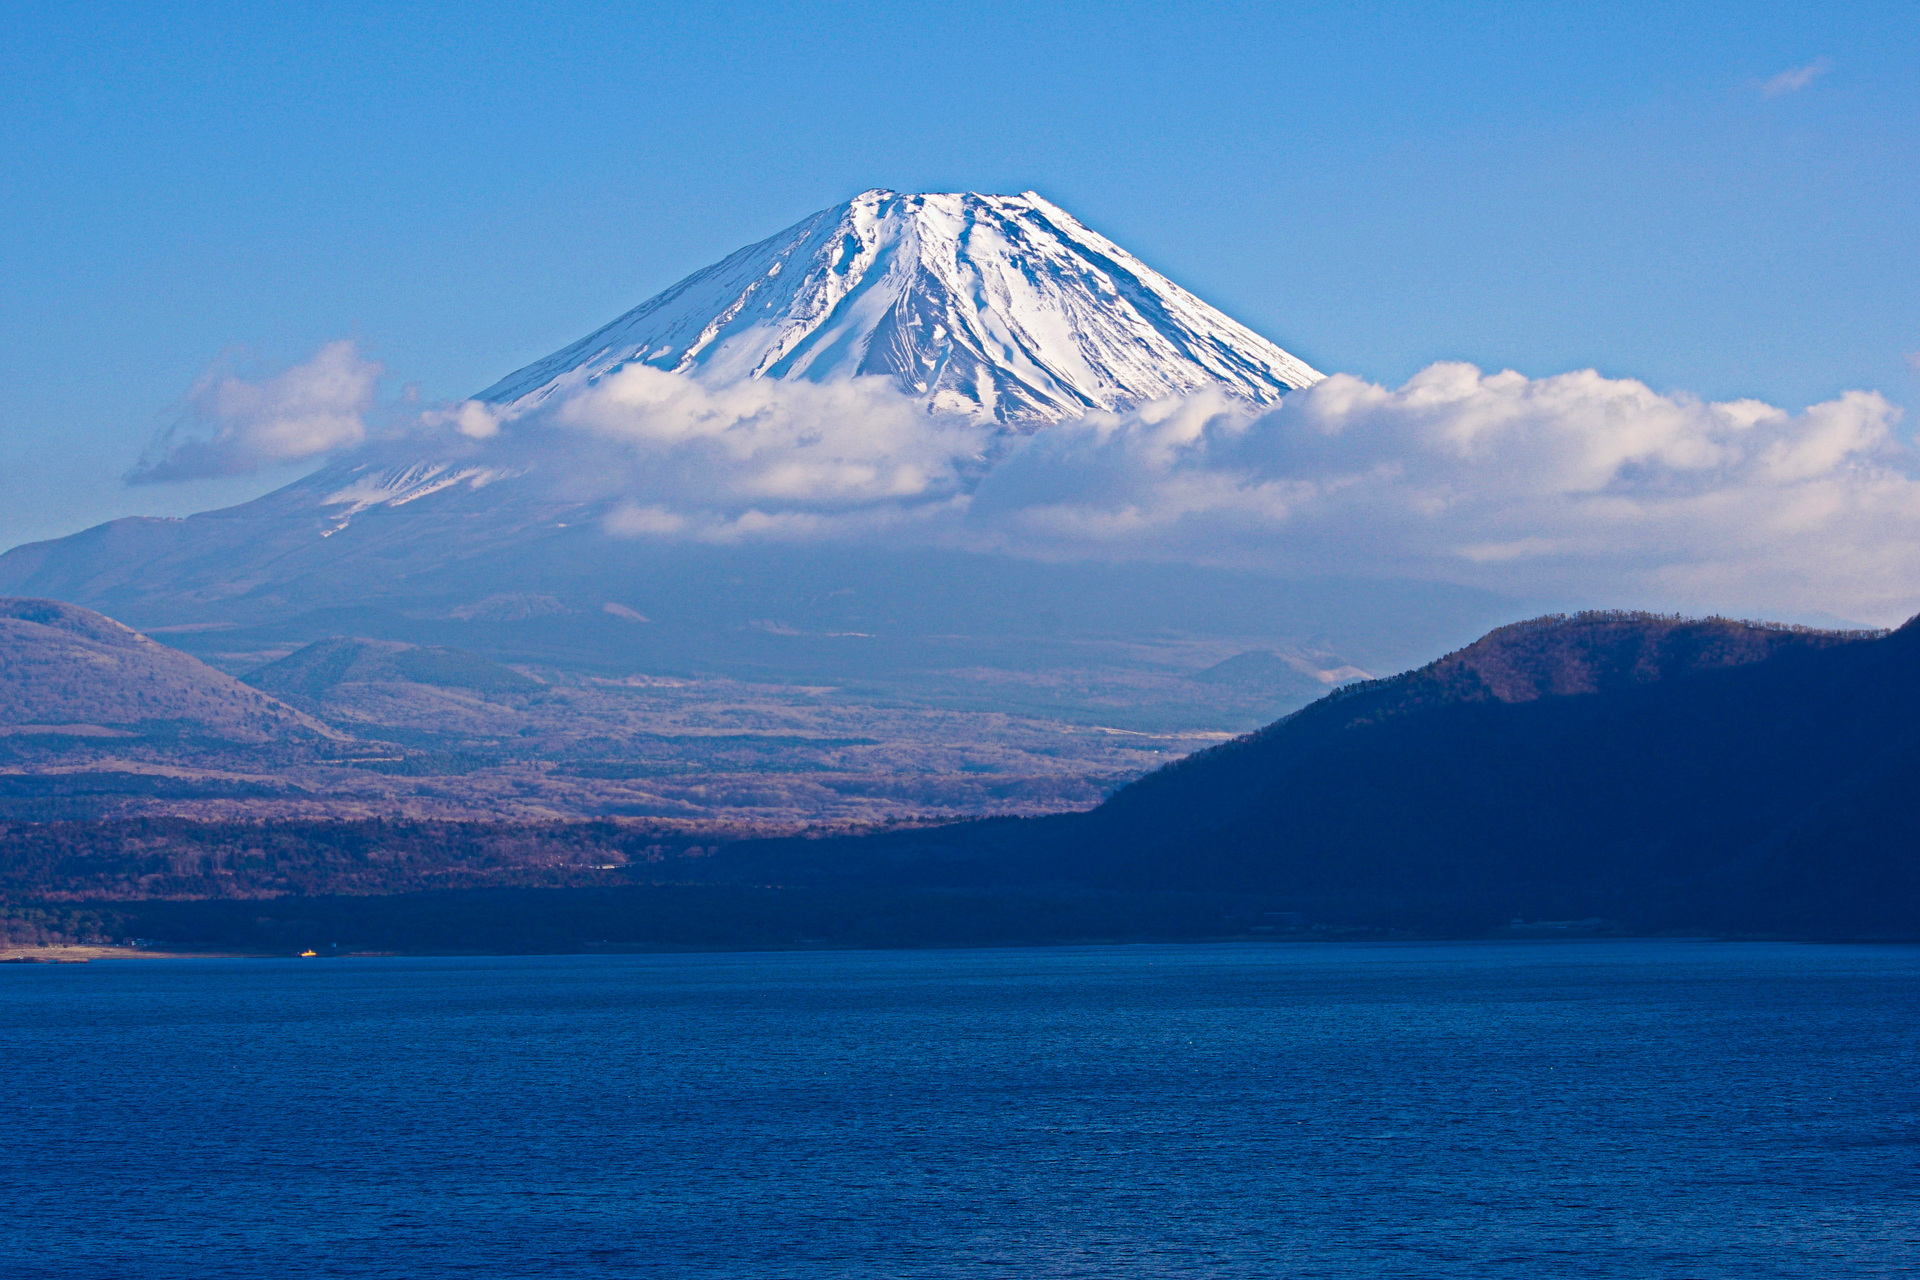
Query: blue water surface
[1620, 1109]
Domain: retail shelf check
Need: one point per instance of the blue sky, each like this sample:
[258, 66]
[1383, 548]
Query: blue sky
[1649, 190]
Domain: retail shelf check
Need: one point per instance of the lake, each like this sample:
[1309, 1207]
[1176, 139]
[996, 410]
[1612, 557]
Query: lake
[1532, 1109]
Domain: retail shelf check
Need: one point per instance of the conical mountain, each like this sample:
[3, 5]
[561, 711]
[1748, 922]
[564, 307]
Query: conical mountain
[1003, 309]
[1003, 306]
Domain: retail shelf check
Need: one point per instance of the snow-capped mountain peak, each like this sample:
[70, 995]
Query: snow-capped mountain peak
[1000, 306]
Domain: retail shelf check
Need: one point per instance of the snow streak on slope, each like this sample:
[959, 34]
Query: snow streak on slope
[1001, 306]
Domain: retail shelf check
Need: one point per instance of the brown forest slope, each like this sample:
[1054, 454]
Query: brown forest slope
[64, 667]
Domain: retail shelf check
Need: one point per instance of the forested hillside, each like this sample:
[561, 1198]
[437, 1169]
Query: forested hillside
[64, 669]
[1654, 771]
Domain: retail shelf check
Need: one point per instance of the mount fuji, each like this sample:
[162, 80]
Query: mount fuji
[999, 311]
[1001, 306]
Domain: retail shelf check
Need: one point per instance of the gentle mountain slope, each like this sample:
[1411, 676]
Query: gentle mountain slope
[979, 304]
[1645, 769]
[71, 669]
[317, 669]
[444, 571]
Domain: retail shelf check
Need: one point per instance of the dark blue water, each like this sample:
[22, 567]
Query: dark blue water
[1527, 1110]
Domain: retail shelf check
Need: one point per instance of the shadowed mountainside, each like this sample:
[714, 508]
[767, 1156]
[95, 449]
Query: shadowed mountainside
[1656, 771]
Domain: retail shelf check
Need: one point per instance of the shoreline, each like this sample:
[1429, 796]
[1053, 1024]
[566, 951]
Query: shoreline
[80, 954]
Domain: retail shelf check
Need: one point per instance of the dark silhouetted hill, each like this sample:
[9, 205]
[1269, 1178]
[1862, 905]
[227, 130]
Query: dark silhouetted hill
[1655, 771]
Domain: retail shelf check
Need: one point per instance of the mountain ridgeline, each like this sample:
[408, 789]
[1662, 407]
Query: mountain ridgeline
[1606, 772]
[67, 672]
[1650, 771]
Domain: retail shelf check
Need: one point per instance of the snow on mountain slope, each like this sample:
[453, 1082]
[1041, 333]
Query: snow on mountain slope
[1002, 306]
[1000, 310]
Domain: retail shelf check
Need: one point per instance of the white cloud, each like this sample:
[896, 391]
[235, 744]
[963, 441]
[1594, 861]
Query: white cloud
[762, 458]
[1576, 485]
[473, 419]
[231, 426]
[1796, 79]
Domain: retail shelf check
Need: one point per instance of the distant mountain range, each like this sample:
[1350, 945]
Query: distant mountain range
[98, 722]
[1567, 776]
[1621, 771]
